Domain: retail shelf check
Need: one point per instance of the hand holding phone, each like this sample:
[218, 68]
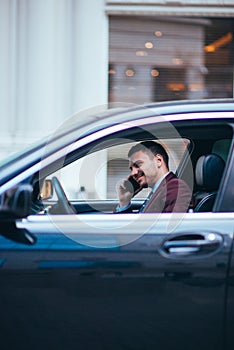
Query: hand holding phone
[132, 185]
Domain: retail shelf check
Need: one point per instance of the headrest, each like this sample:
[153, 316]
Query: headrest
[208, 172]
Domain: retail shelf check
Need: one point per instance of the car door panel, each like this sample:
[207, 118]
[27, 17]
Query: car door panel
[109, 283]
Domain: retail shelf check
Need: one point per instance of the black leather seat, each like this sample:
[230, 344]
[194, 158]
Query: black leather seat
[208, 174]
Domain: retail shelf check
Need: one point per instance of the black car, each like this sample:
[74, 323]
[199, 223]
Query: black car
[75, 275]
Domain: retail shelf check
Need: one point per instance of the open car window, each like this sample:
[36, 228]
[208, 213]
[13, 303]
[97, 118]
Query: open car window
[94, 176]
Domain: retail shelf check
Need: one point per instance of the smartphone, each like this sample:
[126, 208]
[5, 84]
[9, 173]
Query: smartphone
[131, 184]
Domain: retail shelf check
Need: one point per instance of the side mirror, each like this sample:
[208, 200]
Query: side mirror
[16, 204]
[46, 190]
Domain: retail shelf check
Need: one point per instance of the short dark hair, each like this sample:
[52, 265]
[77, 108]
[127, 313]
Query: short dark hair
[154, 147]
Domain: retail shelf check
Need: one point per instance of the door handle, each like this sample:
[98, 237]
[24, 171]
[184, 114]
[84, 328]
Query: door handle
[185, 244]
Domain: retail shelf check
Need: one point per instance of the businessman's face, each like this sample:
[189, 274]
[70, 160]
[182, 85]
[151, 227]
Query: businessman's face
[145, 168]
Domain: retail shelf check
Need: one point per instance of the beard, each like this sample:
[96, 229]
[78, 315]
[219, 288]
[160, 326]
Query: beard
[141, 174]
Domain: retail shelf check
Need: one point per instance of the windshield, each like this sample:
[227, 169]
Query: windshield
[22, 152]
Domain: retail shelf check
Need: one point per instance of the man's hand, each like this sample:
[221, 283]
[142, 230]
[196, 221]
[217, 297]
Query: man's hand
[126, 190]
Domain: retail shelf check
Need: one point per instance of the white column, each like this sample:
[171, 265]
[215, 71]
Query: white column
[46, 79]
[53, 63]
[7, 71]
[90, 58]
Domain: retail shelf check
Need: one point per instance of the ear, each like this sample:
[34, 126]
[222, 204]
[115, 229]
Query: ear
[159, 159]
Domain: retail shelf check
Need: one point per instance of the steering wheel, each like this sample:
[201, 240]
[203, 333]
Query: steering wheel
[63, 206]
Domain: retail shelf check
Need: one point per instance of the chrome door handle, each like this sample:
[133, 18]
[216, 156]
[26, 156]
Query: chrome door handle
[193, 243]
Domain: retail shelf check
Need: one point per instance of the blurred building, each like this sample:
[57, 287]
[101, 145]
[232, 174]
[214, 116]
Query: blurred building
[59, 57]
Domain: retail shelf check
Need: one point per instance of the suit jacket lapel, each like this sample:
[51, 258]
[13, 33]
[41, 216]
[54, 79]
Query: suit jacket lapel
[157, 200]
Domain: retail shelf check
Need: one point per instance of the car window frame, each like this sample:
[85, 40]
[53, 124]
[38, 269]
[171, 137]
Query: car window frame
[224, 202]
[47, 164]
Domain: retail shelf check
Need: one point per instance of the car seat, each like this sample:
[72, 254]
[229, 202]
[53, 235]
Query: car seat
[208, 174]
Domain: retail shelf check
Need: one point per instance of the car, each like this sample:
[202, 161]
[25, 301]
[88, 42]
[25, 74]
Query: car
[77, 275]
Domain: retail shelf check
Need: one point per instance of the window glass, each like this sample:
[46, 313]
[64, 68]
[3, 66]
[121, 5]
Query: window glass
[165, 58]
[221, 147]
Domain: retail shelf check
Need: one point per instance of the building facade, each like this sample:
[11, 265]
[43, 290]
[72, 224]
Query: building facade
[59, 57]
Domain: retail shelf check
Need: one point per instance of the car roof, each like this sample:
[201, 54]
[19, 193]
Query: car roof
[101, 117]
[83, 124]
[90, 121]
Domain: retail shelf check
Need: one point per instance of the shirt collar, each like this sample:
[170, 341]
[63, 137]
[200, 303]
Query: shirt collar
[156, 185]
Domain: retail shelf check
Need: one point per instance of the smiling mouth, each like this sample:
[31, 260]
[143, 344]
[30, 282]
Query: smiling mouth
[139, 177]
[142, 181]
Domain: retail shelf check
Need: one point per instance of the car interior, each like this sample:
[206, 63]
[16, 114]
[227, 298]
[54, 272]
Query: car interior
[208, 174]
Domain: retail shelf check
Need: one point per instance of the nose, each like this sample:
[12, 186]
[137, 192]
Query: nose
[134, 171]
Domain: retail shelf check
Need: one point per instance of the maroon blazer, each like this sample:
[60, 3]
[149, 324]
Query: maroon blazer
[172, 196]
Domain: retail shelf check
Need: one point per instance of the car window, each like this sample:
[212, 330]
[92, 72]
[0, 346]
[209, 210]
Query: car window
[221, 147]
[95, 176]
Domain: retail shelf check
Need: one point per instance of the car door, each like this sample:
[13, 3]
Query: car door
[110, 281]
[125, 283]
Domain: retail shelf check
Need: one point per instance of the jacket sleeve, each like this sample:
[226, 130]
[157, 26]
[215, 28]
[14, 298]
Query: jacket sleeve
[124, 210]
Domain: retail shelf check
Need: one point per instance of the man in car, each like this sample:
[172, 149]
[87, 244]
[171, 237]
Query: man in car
[148, 163]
